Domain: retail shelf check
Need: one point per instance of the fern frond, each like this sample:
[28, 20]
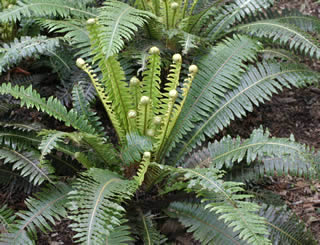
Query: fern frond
[26, 47]
[147, 230]
[95, 204]
[9, 136]
[285, 227]
[52, 106]
[151, 81]
[234, 12]
[7, 217]
[27, 161]
[257, 85]
[44, 208]
[81, 104]
[215, 77]
[117, 23]
[226, 200]
[279, 156]
[13, 182]
[204, 225]
[42, 8]
[136, 145]
[286, 34]
[272, 53]
[121, 235]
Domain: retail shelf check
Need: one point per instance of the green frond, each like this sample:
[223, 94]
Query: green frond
[121, 235]
[151, 82]
[188, 42]
[147, 231]
[227, 201]
[51, 106]
[49, 141]
[279, 156]
[257, 85]
[143, 168]
[306, 23]
[10, 136]
[285, 227]
[95, 204]
[7, 217]
[43, 209]
[204, 225]
[13, 182]
[215, 77]
[285, 34]
[74, 30]
[43, 8]
[27, 161]
[272, 53]
[232, 13]
[104, 94]
[136, 146]
[25, 47]
[117, 23]
[82, 105]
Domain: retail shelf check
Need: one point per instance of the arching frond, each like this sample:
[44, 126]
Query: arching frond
[234, 12]
[257, 85]
[219, 70]
[285, 227]
[278, 156]
[52, 106]
[117, 23]
[121, 235]
[204, 225]
[227, 201]
[27, 161]
[285, 55]
[95, 204]
[42, 8]
[147, 231]
[81, 104]
[44, 208]
[286, 34]
[6, 218]
[136, 146]
[26, 47]
[13, 182]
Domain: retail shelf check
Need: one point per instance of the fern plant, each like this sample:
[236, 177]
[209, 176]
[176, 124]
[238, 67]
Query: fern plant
[161, 120]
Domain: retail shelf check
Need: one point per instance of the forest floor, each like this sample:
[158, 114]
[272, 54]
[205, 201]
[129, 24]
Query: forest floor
[295, 111]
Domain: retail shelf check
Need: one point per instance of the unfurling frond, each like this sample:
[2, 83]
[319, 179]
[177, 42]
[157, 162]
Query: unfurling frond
[204, 225]
[44, 208]
[26, 47]
[257, 85]
[285, 34]
[214, 79]
[95, 204]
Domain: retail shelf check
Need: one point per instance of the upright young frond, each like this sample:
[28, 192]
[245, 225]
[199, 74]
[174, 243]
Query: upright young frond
[44, 208]
[12, 53]
[285, 34]
[257, 85]
[219, 70]
[203, 224]
[42, 8]
[95, 204]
